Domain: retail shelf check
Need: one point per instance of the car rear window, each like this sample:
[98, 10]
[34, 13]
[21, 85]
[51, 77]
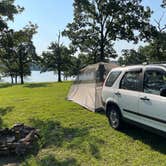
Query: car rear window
[112, 78]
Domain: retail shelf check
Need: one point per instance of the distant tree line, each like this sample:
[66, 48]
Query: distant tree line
[153, 52]
[96, 26]
[164, 3]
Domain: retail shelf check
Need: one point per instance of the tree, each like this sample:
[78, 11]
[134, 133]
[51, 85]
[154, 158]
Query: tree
[132, 57]
[155, 51]
[57, 58]
[163, 3]
[157, 46]
[25, 55]
[98, 23]
[17, 52]
[7, 54]
[7, 11]
[16, 48]
[73, 67]
[25, 50]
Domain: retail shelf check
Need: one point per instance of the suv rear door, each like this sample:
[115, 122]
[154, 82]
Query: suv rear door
[107, 91]
[128, 93]
[152, 106]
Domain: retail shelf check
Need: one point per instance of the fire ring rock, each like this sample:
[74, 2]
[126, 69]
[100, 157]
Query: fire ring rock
[17, 140]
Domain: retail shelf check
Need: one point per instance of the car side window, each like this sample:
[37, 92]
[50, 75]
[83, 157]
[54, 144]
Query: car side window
[154, 81]
[112, 78]
[131, 80]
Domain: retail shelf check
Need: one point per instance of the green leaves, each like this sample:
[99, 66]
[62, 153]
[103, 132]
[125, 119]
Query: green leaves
[7, 12]
[97, 24]
[163, 3]
[8, 9]
[16, 48]
[155, 51]
[58, 58]
[17, 51]
[132, 57]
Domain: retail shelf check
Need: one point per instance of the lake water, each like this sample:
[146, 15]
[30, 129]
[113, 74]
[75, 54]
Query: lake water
[36, 76]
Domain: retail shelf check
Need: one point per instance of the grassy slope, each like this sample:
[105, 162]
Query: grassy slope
[72, 135]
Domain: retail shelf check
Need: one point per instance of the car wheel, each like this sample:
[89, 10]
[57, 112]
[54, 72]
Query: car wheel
[114, 118]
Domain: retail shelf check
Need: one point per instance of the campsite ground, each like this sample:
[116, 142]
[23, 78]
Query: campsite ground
[71, 135]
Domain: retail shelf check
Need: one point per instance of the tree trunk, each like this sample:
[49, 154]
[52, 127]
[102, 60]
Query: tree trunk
[59, 76]
[102, 56]
[15, 79]
[65, 78]
[22, 78]
[159, 54]
[94, 58]
[21, 69]
[102, 52]
[59, 60]
[12, 80]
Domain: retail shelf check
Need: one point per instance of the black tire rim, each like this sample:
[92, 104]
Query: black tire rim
[114, 118]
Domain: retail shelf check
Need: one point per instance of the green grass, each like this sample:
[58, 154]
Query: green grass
[71, 135]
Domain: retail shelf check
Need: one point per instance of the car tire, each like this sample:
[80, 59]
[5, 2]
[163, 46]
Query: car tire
[114, 117]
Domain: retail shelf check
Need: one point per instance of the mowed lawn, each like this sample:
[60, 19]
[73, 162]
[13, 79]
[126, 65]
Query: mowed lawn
[71, 135]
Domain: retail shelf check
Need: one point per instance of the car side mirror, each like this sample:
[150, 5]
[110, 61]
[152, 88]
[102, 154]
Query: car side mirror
[163, 92]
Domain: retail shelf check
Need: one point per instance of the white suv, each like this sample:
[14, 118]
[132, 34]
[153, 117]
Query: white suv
[136, 94]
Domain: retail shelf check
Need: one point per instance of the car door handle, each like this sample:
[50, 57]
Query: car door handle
[145, 98]
[117, 93]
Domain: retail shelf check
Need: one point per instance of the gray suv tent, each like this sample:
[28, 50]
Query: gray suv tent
[86, 89]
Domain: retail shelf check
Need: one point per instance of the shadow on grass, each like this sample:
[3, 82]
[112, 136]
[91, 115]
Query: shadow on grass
[52, 133]
[156, 142]
[4, 160]
[5, 85]
[100, 111]
[51, 161]
[4, 111]
[37, 85]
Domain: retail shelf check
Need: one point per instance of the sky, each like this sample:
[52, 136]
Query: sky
[52, 16]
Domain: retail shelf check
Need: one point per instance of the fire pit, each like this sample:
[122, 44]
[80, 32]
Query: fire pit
[17, 140]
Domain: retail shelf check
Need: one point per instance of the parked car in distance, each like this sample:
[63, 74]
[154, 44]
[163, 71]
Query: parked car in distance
[136, 94]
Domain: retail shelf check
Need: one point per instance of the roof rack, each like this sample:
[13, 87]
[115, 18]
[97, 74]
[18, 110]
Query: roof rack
[147, 63]
[154, 63]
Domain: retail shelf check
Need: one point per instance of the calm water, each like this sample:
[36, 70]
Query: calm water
[36, 76]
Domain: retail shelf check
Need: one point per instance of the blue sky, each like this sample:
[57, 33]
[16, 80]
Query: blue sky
[53, 15]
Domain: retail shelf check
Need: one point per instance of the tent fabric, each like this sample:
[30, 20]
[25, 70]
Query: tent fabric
[94, 67]
[86, 89]
[83, 94]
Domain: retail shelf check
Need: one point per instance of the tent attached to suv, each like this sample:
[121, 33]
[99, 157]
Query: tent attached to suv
[86, 89]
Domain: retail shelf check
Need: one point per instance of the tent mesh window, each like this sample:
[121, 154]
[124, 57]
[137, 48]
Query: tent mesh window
[86, 89]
